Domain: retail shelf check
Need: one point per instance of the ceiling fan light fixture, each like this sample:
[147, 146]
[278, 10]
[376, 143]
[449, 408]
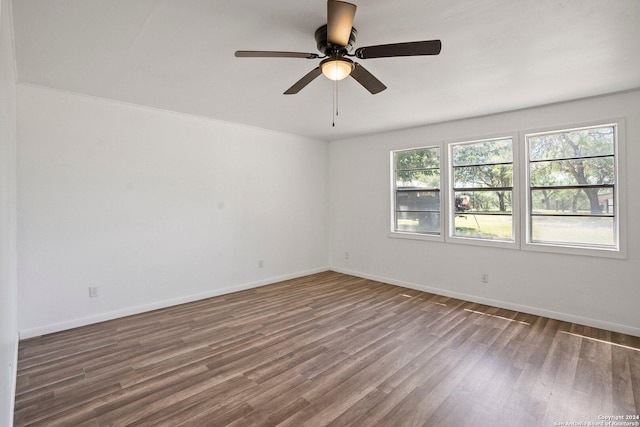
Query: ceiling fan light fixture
[336, 68]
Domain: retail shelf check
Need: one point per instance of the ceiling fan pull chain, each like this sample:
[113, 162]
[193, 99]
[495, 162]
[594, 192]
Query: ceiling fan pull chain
[337, 99]
[334, 113]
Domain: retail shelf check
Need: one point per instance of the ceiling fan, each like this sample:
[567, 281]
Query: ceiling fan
[335, 40]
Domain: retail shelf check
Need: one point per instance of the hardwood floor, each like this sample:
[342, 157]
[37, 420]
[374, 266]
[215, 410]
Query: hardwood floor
[328, 349]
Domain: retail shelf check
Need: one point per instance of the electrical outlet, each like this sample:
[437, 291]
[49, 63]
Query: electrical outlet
[346, 255]
[93, 291]
[484, 278]
[260, 263]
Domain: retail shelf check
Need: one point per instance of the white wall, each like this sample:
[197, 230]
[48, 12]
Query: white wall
[8, 280]
[155, 208]
[593, 291]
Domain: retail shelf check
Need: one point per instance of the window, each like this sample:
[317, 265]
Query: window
[572, 195]
[548, 190]
[481, 196]
[416, 191]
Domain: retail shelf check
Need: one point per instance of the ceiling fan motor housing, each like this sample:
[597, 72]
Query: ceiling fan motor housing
[327, 48]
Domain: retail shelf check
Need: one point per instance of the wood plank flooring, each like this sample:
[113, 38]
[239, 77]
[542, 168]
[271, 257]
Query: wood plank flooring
[328, 349]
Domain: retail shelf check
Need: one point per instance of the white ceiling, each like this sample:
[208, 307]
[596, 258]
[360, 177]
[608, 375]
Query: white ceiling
[178, 55]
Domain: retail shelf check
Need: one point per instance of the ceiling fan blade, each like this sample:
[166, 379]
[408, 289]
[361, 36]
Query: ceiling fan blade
[427, 47]
[300, 84]
[340, 16]
[366, 79]
[272, 54]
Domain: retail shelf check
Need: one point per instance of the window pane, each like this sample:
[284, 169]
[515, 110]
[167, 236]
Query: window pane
[571, 179]
[484, 152]
[421, 179]
[418, 222]
[483, 201]
[418, 200]
[483, 176]
[417, 190]
[482, 189]
[575, 201]
[598, 141]
[573, 230]
[590, 171]
[421, 158]
[493, 227]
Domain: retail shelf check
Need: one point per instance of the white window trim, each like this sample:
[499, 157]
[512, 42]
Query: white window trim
[515, 202]
[443, 209]
[520, 196]
[620, 196]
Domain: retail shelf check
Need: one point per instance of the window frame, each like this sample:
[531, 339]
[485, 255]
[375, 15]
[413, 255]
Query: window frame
[521, 194]
[514, 242]
[415, 235]
[619, 250]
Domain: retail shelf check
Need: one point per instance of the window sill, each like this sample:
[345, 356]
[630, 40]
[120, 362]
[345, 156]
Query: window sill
[416, 236]
[615, 253]
[505, 244]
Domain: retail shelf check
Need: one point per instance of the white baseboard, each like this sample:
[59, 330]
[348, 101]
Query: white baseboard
[74, 323]
[128, 311]
[596, 323]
